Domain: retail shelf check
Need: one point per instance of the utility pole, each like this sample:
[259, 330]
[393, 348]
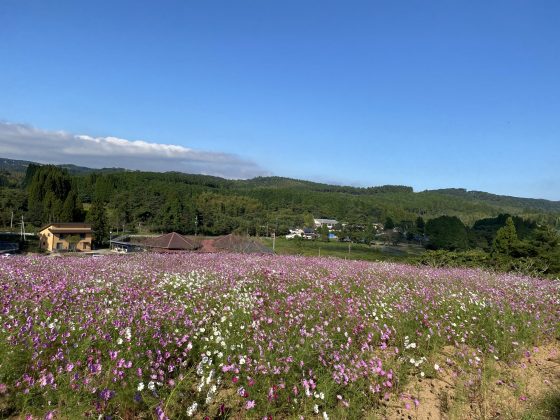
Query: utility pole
[195, 225]
[274, 242]
[22, 228]
[12, 221]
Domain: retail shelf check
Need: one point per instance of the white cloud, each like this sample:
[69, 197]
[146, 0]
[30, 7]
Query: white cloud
[20, 141]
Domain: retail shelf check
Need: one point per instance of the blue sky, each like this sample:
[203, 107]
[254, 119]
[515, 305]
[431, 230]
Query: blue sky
[429, 94]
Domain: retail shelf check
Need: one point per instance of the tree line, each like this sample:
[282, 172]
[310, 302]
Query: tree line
[134, 201]
[505, 243]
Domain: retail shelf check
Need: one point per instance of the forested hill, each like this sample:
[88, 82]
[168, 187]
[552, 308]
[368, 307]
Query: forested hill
[503, 200]
[213, 205]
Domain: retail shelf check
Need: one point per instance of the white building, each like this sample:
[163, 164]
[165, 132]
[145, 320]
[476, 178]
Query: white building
[330, 223]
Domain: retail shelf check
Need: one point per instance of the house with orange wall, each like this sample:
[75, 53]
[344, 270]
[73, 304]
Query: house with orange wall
[66, 237]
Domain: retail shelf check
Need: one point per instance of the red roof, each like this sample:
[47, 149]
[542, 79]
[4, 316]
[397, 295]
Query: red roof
[171, 241]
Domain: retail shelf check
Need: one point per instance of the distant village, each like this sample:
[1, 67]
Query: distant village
[334, 230]
[56, 238]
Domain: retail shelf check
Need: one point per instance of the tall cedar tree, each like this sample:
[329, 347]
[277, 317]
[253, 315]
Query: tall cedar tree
[98, 219]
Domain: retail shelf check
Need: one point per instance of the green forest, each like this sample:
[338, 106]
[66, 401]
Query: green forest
[448, 222]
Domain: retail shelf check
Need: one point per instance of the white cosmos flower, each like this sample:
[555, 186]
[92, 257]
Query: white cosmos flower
[140, 386]
[192, 409]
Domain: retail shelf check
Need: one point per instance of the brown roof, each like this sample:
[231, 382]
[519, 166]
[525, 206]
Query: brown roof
[171, 241]
[67, 227]
[71, 230]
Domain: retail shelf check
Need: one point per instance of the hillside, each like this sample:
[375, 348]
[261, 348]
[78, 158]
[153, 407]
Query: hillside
[213, 205]
[502, 200]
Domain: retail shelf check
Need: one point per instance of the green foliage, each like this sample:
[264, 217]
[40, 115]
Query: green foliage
[506, 239]
[97, 216]
[443, 258]
[484, 230]
[51, 197]
[539, 255]
[323, 232]
[73, 241]
[12, 200]
[389, 223]
[72, 209]
[447, 232]
[420, 224]
[308, 220]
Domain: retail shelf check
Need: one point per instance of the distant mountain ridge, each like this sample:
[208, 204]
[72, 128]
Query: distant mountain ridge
[540, 203]
[454, 199]
[20, 166]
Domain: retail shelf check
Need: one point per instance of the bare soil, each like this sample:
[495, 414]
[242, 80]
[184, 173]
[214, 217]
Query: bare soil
[508, 390]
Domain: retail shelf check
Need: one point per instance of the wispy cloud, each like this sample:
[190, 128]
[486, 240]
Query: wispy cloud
[20, 141]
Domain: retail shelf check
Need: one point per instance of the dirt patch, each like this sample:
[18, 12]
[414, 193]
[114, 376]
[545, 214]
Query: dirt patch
[522, 383]
[503, 390]
[425, 398]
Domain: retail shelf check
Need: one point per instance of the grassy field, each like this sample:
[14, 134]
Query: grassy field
[354, 251]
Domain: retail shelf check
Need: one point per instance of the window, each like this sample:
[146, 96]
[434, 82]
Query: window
[82, 236]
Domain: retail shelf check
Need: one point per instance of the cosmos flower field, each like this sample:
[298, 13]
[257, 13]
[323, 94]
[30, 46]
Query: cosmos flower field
[225, 335]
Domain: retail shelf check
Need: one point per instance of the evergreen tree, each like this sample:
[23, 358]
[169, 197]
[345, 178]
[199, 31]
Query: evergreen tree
[446, 232]
[389, 224]
[506, 239]
[70, 211]
[98, 219]
[48, 189]
[52, 208]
